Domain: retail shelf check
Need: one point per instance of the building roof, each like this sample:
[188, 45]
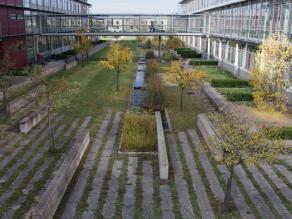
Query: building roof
[184, 1]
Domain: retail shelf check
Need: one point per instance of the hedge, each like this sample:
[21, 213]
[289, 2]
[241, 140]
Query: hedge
[230, 96]
[284, 133]
[229, 83]
[193, 55]
[182, 49]
[203, 62]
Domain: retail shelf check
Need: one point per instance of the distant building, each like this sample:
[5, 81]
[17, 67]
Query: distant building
[20, 22]
[234, 28]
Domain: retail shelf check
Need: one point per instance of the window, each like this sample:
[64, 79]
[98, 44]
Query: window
[13, 16]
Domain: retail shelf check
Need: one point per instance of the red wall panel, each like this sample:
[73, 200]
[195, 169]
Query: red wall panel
[17, 50]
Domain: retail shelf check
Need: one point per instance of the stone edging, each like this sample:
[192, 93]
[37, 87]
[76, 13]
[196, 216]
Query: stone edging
[52, 196]
[162, 151]
[31, 120]
[209, 134]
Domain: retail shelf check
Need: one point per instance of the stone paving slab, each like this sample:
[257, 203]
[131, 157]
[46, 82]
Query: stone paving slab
[33, 161]
[209, 172]
[79, 187]
[243, 208]
[166, 202]
[72, 127]
[26, 141]
[286, 173]
[112, 195]
[181, 185]
[252, 192]
[198, 185]
[30, 186]
[101, 170]
[147, 188]
[285, 190]
[130, 192]
[270, 193]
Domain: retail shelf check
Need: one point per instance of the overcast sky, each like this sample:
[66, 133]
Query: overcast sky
[134, 6]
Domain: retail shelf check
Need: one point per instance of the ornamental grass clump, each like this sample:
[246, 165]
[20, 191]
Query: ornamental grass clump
[155, 95]
[139, 133]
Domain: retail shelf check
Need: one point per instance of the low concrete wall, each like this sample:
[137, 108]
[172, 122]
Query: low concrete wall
[30, 121]
[215, 98]
[54, 69]
[16, 104]
[162, 152]
[70, 65]
[208, 132]
[52, 196]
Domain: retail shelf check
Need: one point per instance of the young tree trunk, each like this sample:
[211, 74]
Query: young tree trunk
[118, 81]
[228, 197]
[52, 139]
[5, 104]
[181, 99]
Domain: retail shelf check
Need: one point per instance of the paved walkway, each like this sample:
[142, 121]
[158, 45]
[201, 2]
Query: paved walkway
[110, 185]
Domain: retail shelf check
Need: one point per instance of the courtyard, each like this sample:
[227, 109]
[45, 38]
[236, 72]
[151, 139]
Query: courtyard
[111, 184]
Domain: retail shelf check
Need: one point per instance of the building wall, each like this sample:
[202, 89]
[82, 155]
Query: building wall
[19, 22]
[234, 32]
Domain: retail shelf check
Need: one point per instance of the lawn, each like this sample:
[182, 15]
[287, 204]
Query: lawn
[214, 72]
[97, 86]
[194, 104]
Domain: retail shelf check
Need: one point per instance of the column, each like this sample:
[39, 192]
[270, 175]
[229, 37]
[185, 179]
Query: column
[36, 47]
[194, 41]
[208, 47]
[236, 70]
[159, 47]
[189, 41]
[220, 52]
[226, 51]
[244, 56]
[200, 44]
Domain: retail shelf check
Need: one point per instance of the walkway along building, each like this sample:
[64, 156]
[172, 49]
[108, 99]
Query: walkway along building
[234, 28]
[20, 25]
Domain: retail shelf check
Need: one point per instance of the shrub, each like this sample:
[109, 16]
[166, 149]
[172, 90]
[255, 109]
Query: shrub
[284, 133]
[238, 96]
[182, 49]
[150, 54]
[139, 133]
[175, 57]
[155, 95]
[147, 44]
[18, 72]
[151, 68]
[191, 54]
[166, 56]
[203, 62]
[229, 83]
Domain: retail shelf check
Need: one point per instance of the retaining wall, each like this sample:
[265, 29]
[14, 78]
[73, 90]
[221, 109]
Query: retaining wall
[208, 132]
[52, 196]
[162, 151]
[30, 121]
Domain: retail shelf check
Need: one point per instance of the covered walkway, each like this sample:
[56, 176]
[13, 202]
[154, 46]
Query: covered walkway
[121, 24]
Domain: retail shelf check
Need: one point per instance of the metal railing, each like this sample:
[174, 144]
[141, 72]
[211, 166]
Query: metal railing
[108, 24]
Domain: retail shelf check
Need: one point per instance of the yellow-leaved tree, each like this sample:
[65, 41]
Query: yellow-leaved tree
[83, 44]
[185, 78]
[241, 144]
[49, 95]
[270, 77]
[118, 58]
[173, 43]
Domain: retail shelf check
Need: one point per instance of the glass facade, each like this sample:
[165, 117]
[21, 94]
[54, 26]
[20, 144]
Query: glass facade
[239, 26]
[194, 6]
